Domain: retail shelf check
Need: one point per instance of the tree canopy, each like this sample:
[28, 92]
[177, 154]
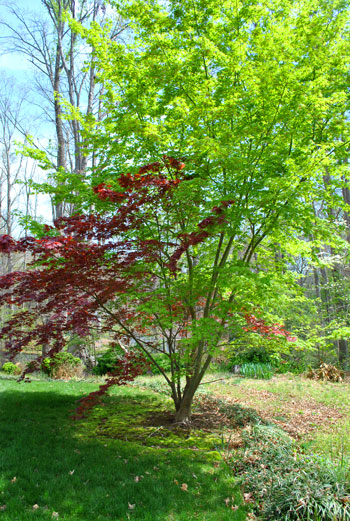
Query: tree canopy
[238, 113]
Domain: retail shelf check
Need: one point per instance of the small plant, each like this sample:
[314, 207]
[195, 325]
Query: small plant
[251, 370]
[326, 372]
[290, 366]
[62, 365]
[10, 368]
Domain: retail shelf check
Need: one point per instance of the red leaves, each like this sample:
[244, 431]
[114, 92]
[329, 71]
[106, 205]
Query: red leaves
[75, 275]
[148, 176]
[151, 167]
[171, 162]
[104, 192]
[7, 244]
[130, 366]
[260, 326]
[191, 239]
[135, 182]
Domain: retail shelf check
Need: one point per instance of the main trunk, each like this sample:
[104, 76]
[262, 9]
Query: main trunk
[183, 413]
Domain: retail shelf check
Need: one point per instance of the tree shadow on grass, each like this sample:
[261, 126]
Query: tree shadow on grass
[62, 467]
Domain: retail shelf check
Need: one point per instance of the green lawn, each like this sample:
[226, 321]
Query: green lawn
[115, 465]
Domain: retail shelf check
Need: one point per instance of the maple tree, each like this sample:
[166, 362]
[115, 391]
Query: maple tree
[121, 271]
[248, 101]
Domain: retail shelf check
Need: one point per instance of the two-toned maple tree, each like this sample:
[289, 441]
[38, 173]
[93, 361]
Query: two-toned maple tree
[176, 258]
[136, 273]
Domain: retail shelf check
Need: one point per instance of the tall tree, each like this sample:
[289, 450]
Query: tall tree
[64, 69]
[251, 98]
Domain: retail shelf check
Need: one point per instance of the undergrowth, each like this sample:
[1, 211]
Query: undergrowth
[286, 485]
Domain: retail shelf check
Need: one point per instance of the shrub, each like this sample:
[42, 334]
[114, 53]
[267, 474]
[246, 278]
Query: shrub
[287, 485]
[163, 361]
[62, 365]
[257, 355]
[108, 361]
[10, 368]
[290, 366]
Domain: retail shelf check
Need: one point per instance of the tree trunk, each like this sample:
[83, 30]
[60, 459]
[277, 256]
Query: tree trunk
[343, 352]
[183, 411]
[183, 405]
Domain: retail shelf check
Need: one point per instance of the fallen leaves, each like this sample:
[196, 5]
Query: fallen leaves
[14, 479]
[55, 515]
[231, 500]
[131, 507]
[35, 507]
[248, 497]
[3, 507]
[184, 487]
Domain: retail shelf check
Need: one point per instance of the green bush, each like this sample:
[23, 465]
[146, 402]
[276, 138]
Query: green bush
[286, 485]
[255, 355]
[263, 371]
[10, 368]
[163, 361]
[53, 366]
[290, 366]
[108, 361]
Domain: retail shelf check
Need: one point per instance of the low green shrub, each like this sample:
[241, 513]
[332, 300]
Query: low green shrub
[108, 361]
[61, 365]
[263, 371]
[286, 485]
[10, 368]
[252, 354]
[163, 361]
[290, 366]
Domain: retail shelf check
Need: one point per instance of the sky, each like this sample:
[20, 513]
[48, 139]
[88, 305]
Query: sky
[15, 66]
[14, 63]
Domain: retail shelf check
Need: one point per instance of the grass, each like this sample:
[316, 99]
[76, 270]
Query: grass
[116, 465]
[127, 462]
[286, 398]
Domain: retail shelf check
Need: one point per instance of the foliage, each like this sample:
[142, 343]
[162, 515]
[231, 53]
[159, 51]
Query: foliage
[10, 368]
[60, 362]
[327, 373]
[235, 112]
[93, 279]
[163, 362]
[107, 362]
[295, 363]
[287, 485]
[251, 355]
[257, 370]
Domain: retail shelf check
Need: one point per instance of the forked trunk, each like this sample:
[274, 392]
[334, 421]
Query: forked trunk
[183, 406]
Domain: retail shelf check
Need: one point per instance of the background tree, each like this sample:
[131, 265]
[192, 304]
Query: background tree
[63, 69]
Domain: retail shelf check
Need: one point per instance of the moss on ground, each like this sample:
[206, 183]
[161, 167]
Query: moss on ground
[149, 422]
